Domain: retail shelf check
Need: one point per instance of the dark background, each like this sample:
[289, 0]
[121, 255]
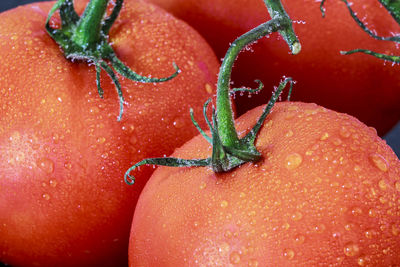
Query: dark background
[392, 138]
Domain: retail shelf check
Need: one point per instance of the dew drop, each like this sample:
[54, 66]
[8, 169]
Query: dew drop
[297, 216]
[46, 165]
[299, 239]
[203, 185]
[289, 133]
[228, 234]
[324, 136]
[293, 161]
[252, 263]
[53, 183]
[288, 254]
[208, 88]
[397, 185]
[101, 140]
[128, 128]
[344, 132]
[356, 211]
[46, 196]
[234, 257]
[362, 261]
[351, 249]
[224, 248]
[379, 161]
[319, 228]
[224, 204]
[372, 213]
[178, 123]
[370, 233]
[395, 229]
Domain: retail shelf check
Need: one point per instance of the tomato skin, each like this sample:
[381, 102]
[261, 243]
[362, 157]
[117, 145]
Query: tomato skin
[357, 84]
[63, 154]
[325, 193]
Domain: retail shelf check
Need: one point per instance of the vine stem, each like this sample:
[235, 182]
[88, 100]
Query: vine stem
[228, 150]
[280, 22]
[88, 29]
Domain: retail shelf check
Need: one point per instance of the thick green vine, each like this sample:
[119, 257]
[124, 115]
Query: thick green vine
[230, 151]
[85, 38]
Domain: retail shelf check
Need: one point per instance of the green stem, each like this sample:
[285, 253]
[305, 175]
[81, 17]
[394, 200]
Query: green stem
[280, 22]
[88, 29]
[228, 150]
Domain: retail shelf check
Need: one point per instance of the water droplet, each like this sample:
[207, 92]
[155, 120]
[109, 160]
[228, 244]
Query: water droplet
[395, 229]
[53, 183]
[297, 216]
[293, 161]
[288, 254]
[349, 226]
[356, 211]
[178, 123]
[289, 133]
[337, 141]
[324, 136]
[357, 168]
[68, 165]
[208, 88]
[299, 239]
[224, 204]
[203, 185]
[128, 128]
[351, 249]
[234, 257]
[224, 248]
[344, 132]
[46, 165]
[362, 261]
[101, 140]
[379, 161]
[228, 234]
[382, 184]
[319, 228]
[252, 263]
[397, 185]
[46, 196]
[370, 233]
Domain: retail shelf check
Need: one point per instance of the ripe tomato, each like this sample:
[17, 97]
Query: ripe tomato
[360, 85]
[63, 154]
[326, 193]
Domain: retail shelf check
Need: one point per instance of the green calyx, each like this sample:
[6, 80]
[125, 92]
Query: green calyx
[393, 7]
[85, 38]
[229, 151]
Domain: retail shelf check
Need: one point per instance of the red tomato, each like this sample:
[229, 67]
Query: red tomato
[360, 85]
[326, 193]
[63, 154]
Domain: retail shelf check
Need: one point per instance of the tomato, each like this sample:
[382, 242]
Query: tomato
[326, 193]
[63, 154]
[360, 85]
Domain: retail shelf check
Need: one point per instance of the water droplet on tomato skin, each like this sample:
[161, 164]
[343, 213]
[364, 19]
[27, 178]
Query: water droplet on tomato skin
[252, 263]
[224, 204]
[46, 165]
[379, 162]
[234, 258]
[351, 249]
[46, 196]
[293, 161]
[288, 254]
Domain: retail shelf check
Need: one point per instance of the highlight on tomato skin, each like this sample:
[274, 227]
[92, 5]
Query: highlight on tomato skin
[327, 192]
[359, 85]
[63, 201]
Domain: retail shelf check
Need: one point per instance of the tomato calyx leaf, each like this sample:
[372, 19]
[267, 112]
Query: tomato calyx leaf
[85, 38]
